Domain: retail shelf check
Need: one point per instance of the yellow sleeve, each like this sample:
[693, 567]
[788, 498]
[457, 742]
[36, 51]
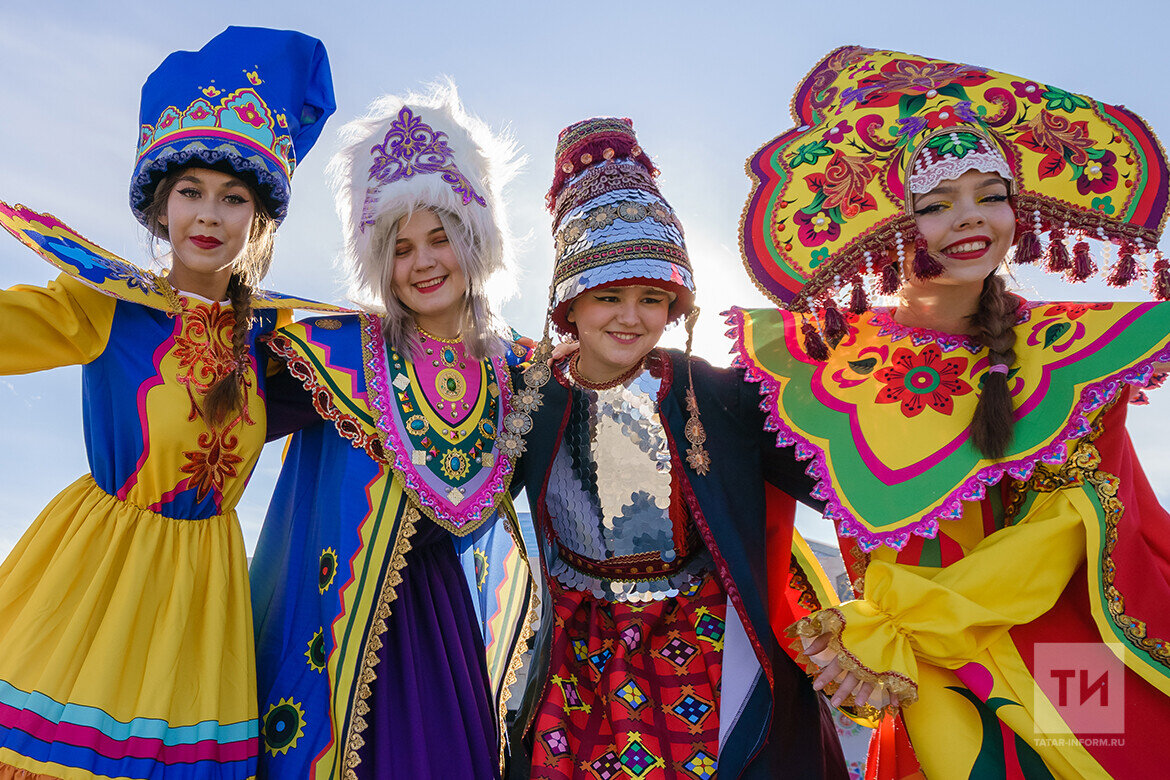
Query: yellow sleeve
[63, 323]
[947, 616]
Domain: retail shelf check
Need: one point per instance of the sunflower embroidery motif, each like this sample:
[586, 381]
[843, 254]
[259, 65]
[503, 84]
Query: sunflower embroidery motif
[919, 380]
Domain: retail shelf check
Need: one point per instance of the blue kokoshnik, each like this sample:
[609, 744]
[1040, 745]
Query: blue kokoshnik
[252, 101]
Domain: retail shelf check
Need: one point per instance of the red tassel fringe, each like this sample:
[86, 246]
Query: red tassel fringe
[814, 345]
[925, 265]
[858, 303]
[1028, 247]
[890, 279]
[1162, 280]
[1126, 269]
[835, 325]
[1083, 265]
[1058, 259]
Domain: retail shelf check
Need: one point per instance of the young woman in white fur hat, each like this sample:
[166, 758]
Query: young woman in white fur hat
[376, 658]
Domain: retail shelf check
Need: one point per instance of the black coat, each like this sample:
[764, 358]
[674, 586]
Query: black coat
[785, 733]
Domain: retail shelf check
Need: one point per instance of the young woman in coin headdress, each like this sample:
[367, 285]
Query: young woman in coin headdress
[390, 598]
[125, 625]
[649, 476]
[971, 444]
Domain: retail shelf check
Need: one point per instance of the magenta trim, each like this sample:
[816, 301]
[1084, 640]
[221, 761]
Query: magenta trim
[1109, 335]
[436, 505]
[887, 326]
[974, 488]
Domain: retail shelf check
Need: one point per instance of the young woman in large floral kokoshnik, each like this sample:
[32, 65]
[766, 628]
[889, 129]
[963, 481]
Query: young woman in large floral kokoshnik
[650, 475]
[125, 626]
[1010, 560]
[391, 599]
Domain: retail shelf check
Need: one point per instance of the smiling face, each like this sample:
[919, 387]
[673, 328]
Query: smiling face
[427, 277]
[968, 224]
[617, 327]
[208, 219]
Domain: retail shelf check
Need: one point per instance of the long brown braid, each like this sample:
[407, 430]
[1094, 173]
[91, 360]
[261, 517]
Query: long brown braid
[227, 394]
[994, 419]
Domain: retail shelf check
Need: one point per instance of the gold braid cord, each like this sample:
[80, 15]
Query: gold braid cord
[831, 621]
[366, 674]
[1083, 467]
[527, 631]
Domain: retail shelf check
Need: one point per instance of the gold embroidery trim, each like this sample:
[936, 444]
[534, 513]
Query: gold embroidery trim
[831, 621]
[1083, 467]
[366, 674]
[527, 631]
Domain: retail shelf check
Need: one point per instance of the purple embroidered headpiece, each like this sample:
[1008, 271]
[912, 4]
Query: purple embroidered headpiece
[413, 148]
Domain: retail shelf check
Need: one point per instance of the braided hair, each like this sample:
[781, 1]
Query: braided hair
[227, 393]
[993, 325]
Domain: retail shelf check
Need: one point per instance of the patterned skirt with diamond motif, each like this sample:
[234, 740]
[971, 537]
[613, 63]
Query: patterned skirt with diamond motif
[634, 689]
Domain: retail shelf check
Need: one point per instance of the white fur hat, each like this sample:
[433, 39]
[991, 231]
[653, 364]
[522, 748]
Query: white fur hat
[421, 151]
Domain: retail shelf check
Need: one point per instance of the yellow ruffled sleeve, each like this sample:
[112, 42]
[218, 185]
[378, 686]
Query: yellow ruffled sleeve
[947, 616]
[63, 323]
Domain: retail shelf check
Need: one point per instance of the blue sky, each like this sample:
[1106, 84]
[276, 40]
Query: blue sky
[705, 86]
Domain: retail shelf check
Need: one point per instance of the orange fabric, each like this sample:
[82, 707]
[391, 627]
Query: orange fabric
[8, 772]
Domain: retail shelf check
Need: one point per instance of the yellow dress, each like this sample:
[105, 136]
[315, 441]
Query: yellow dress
[125, 623]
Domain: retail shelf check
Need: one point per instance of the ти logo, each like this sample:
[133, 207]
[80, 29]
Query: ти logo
[1080, 688]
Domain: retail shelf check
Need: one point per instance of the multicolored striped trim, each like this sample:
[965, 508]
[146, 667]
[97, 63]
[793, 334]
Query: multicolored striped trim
[87, 738]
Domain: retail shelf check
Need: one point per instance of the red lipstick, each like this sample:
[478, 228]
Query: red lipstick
[430, 285]
[205, 242]
[983, 244]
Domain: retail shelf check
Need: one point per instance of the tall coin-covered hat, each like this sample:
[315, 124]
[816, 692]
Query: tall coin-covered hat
[612, 228]
[252, 102]
[611, 225]
[830, 203]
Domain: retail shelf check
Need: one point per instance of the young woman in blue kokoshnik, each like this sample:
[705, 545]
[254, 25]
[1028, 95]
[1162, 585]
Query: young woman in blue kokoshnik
[126, 643]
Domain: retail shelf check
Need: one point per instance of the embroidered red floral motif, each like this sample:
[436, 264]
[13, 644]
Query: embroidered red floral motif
[919, 380]
[213, 463]
[204, 351]
[1074, 311]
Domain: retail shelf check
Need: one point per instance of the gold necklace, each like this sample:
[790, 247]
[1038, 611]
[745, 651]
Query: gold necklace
[575, 372]
[428, 335]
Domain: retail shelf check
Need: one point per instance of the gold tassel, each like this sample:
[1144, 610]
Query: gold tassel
[697, 456]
